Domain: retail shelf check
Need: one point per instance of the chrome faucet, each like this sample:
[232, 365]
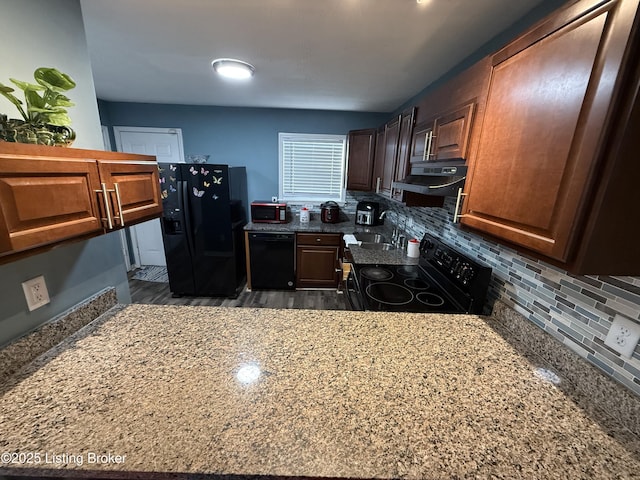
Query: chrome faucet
[382, 215]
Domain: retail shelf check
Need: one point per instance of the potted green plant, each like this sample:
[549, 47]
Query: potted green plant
[44, 114]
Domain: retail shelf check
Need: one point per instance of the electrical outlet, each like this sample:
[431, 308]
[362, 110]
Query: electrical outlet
[274, 199]
[35, 292]
[623, 335]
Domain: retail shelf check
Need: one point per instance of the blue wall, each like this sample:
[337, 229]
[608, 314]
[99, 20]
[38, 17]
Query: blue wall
[76, 271]
[238, 136]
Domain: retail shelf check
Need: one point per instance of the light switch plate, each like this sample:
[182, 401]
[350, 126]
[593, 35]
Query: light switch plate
[623, 336]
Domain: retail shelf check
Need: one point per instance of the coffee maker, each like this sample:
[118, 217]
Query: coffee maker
[367, 213]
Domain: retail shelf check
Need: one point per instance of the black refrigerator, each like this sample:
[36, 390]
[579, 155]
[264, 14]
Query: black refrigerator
[204, 212]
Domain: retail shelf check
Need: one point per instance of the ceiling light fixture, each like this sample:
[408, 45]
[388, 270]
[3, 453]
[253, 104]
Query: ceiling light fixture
[232, 68]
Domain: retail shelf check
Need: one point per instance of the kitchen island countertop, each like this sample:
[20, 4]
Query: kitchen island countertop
[209, 391]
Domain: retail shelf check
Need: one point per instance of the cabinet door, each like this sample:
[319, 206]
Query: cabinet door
[378, 164]
[420, 142]
[134, 190]
[404, 149]
[451, 134]
[545, 112]
[317, 266]
[43, 201]
[360, 158]
[391, 137]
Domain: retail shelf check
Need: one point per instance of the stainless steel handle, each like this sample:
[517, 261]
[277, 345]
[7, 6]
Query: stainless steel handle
[378, 180]
[120, 215]
[105, 196]
[426, 145]
[431, 137]
[456, 216]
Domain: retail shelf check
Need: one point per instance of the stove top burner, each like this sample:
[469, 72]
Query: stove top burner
[416, 284]
[442, 280]
[430, 299]
[389, 293]
[408, 270]
[377, 273]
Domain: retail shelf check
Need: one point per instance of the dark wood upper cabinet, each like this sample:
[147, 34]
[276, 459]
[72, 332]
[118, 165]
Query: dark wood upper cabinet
[360, 159]
[393, 149]
[378, 163]
[556, 140]
[445, 137]
[391, 138]
[451, 134]
[422, 135]
[401, 170]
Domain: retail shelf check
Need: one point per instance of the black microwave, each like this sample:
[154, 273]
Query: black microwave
[268, 212]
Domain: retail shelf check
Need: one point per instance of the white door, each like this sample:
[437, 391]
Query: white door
[166, 145]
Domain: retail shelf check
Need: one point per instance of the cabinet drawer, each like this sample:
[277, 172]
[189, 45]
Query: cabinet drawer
[333, 239]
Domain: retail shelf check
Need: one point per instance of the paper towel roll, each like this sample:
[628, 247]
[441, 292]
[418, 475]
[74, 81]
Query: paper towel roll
[413, 248]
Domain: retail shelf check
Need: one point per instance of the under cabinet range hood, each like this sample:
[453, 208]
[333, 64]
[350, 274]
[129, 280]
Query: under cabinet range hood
[428, 178]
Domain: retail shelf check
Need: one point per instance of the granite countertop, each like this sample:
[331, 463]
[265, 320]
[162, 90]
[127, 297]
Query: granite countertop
[165, 391]
[345, 226]
[315, 225]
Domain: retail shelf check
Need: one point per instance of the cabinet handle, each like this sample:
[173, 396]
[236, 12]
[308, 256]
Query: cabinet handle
[431, 137]
[456, 216]
[105, 196]
[427, 145]
[318, 239]
[120, 216]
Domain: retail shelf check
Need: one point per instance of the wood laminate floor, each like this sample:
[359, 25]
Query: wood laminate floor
[159, 294]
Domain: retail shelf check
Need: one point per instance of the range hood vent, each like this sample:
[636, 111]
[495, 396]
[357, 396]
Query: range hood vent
[434, 179]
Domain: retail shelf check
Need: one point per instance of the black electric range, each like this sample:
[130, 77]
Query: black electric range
[444, 281]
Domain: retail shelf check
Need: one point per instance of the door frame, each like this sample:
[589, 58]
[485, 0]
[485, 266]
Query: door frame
[117, 130]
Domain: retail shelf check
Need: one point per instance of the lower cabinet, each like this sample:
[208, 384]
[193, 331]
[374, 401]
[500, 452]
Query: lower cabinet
[318, 260]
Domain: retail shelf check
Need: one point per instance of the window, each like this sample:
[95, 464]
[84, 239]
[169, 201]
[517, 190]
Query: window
[312, 167]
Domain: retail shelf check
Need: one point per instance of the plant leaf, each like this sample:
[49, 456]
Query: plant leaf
[48, 109]
[54, 79]
[61, 101]
[6, 92]
[60, 119]
[33, 99]
[26, 85]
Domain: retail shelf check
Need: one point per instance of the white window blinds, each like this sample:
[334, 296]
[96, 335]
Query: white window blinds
[312, 167]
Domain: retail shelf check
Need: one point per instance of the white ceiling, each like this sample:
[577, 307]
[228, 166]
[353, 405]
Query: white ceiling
[361, 55]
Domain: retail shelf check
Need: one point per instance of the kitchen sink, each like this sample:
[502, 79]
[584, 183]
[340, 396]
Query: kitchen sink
[366, 237]
[377, 246]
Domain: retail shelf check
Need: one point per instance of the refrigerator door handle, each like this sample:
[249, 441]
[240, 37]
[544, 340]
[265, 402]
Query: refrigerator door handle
[186, 212]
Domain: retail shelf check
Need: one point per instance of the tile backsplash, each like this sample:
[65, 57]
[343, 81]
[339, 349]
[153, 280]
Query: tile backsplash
[577, 310]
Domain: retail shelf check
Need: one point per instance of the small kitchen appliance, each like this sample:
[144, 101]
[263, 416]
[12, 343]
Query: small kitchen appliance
[268, 212]
[330, 212]
[367, 213]
[444, 281]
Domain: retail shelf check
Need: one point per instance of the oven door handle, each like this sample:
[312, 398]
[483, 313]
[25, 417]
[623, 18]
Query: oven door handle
[347, 292]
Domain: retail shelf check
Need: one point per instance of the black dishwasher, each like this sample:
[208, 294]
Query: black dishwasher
[272, 260]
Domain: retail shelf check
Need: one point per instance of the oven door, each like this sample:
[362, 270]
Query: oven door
[352, 292]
